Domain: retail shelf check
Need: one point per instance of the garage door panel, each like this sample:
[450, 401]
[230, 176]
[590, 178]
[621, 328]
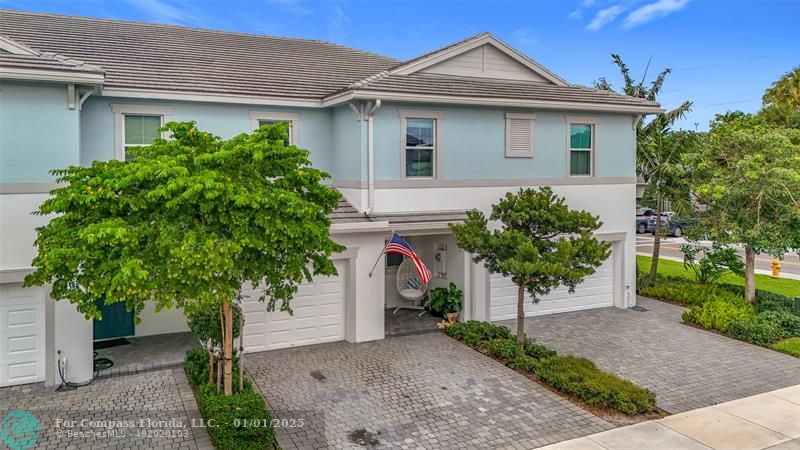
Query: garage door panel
[21, 334]
[595, 292]
[318, 308]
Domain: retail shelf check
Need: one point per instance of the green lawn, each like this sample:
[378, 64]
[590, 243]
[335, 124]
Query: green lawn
[783, 286]
[789, 346]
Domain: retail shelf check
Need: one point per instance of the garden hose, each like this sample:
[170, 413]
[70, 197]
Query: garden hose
[98, 365]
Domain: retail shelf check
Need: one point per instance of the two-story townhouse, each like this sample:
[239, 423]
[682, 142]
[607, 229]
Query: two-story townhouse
[410, 145]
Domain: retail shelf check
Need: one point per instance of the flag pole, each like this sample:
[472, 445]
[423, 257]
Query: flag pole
[381, 254]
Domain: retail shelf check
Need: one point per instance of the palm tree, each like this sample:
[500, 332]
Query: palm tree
[785, 91]
[657, 149]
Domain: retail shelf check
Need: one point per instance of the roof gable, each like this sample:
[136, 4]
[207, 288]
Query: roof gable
[482, 56]
[16, 48]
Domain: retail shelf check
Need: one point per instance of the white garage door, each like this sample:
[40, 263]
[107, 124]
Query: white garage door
[595, 292]
[318, 316]
[21, 334]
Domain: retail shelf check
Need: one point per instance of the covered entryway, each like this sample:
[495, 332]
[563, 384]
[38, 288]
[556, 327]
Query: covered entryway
[596, 291]
[319, 315]
[22, 334]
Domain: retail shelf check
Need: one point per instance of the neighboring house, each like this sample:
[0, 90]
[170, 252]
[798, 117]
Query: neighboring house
[410, 145]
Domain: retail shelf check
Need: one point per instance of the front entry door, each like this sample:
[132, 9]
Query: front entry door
[117, 321]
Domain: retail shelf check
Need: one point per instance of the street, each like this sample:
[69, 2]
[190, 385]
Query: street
[671, 249]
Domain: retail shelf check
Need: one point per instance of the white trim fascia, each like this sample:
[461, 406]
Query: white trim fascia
[489, 182]
[14, 275]
[210, 98]
[420, 114]
[119, 122]
[451, 52]
[359, 227]
[488, 101]
[29, 188]
[611, 236]
[424, 226]
[16, 48]
[12, 73]
[278, 116]
[589, 120]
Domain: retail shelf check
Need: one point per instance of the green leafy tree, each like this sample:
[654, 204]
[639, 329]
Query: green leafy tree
[782, 101]
[185, 223]
[541, 244]
[715, 262]
[747, 175]
[657, 150]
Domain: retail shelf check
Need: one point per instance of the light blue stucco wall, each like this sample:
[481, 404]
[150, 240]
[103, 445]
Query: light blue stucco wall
[472, 144]
[314, 130]
[38, 132]
[349, 157]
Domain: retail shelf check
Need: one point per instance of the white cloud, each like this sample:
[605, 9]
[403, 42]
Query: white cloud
[604, 17]
[653, 11]
[338, 25]
[525, 38]
[162, 11]
[578, 13]
[293, 6]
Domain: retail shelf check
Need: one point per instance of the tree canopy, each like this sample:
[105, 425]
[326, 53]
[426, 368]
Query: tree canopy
[541, 243]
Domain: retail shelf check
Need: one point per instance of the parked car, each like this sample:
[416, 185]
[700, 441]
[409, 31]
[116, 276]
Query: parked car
[641, 224]
[673, 225]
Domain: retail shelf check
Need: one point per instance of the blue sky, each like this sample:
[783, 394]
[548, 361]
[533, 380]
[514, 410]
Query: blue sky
[723, 53]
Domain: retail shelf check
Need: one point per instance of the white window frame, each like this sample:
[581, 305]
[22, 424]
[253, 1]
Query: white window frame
[582, 120]
[516, 116]
[292, 118]
[120, 111]
[438, 118]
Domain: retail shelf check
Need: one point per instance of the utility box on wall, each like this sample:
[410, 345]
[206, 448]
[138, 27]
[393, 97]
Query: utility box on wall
[440, 260]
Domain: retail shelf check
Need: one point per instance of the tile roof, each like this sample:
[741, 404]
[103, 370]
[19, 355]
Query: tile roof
[154, 57]
[166, 57]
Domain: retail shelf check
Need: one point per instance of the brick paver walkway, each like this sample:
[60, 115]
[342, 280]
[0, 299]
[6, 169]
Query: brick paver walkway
[686, 367]
[422, 391]
[110, 411]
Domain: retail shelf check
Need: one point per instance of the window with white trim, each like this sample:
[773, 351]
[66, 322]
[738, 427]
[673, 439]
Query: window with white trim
[581, 149]
[140, 130]
[137, 126]
[519, 135]
[420, 148]
[258, 119]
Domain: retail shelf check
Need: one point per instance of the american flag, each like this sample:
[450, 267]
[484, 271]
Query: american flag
[399, 245]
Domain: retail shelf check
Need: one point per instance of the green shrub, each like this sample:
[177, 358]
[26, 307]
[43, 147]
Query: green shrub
[581, 378]
[687, 293]
[240, 421]
[523, 363]
[537, 351]
[506, 350]
[765, 300]
[719, 315]
[789, 346]
[196, 367]
[205, 324]
[442, 301]
[475, 333]
[759, 329]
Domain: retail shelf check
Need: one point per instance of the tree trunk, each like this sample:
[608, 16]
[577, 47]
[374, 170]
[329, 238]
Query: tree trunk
[227, 349]
[241, 352]
[656, 243]
[749, 274]
[520, 314]
[210, 361]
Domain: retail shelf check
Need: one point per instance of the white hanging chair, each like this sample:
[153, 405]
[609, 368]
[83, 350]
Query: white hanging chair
[409, 285]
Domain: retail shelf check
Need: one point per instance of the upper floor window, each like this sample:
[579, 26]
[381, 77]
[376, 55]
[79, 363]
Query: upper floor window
[140, 130]
[136, 126]
[259, 118]
[581, 148]
[420, 143]
[420, 147]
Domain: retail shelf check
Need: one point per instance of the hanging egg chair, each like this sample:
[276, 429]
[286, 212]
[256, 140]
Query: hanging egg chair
[409, 284]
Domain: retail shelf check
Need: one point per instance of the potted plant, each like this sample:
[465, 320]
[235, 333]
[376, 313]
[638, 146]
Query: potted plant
[445, 302]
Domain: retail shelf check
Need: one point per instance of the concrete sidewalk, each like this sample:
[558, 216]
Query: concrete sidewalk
[766, 421]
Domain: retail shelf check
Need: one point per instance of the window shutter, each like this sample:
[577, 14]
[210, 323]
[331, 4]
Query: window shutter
[519, 135]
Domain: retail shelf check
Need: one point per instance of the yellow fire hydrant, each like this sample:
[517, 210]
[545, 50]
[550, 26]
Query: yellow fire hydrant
[776, 268]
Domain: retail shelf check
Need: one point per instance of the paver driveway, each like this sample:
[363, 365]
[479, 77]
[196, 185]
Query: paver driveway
[686, 367]
[413, 391]
[112, 413]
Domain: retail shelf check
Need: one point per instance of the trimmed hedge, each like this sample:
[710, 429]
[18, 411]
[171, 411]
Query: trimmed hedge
[718, 314]
[575, 376]
[765, 300]
[239, 421]
[686, 292]
[581, 378]
[789, 346]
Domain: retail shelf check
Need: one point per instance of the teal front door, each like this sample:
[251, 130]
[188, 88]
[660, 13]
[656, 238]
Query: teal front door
[117, 321]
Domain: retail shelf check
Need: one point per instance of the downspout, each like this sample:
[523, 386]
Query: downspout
[371, 108]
